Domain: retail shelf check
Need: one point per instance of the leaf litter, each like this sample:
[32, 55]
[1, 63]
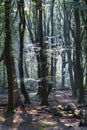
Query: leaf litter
[56, 116]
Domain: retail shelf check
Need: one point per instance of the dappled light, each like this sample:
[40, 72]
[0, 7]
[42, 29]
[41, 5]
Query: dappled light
[70, 122]
[43, 64]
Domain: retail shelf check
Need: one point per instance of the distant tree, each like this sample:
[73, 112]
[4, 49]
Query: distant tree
[53, 60]
[68, 42]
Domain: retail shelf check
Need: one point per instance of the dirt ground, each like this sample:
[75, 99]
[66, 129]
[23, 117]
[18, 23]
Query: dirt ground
[36, 117]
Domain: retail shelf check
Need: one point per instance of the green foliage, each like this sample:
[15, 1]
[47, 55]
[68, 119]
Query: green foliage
[36, 1]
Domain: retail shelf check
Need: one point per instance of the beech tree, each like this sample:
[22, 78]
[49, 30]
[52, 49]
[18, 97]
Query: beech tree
[13, 90]
[8, 55]
[78, 67]
[22, 26]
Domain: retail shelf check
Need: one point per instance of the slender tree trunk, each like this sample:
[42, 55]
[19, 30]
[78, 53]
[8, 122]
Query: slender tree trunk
[70, 68]
[78, 67]
[21, 35]
[17, 98]
[43, 58]
[64, 44]
[52, 33]
[86, 67]
[8, 55]
[13, 91]
[85, 22]
[4, 74]
[63, 71]
[26, 70]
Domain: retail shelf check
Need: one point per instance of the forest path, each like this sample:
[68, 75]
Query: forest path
[36, 117]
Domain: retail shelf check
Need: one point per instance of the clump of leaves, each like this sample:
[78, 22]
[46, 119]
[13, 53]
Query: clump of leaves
[36, 1]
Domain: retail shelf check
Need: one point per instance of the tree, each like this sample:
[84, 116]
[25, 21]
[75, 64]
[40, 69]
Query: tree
[8, 55]
[43, 58]
[77, 35]
[53, 60]
[21, 35]
[13, 90]
[84, 18]
[78, 67]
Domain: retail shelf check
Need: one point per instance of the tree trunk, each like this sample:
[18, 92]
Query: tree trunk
[63, 71]
[52, 33]
[8, 55]
[43, 58]
[4, 74]
[21, 34]
[85, 22]
[70, 68]
[13, 90]
[78, 67]
[17, 98]
[26, 70]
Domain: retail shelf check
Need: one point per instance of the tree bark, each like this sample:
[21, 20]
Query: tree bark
[21, 35]
[78, 67]
[70, 69]
[63, 71]
[43, 58]
[8, 55]
[13, 90]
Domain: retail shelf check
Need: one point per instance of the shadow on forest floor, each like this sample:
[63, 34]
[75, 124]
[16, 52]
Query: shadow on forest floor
[36, 117]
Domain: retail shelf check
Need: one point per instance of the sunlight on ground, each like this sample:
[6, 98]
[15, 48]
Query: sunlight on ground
[70, 122]
[17, 119]
[46, 122]
[2, 119]
[45, 125]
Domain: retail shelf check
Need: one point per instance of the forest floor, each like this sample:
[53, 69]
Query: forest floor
[56, 116]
